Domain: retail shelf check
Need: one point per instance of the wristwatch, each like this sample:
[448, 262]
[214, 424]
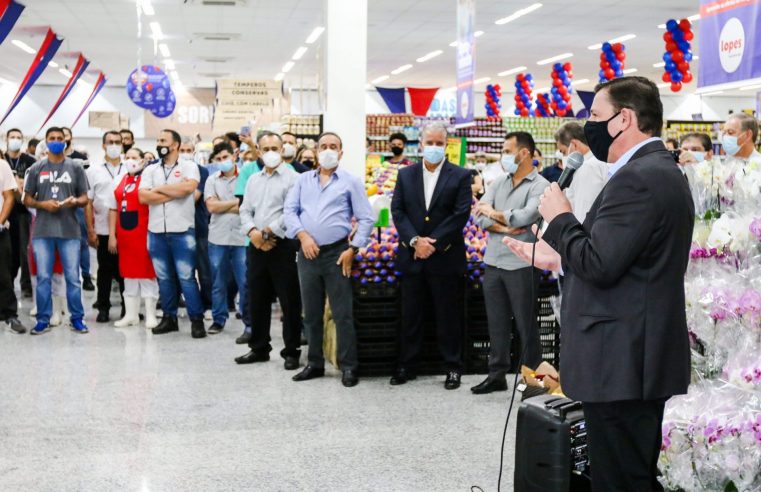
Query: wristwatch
[266, 236]
[413, 241]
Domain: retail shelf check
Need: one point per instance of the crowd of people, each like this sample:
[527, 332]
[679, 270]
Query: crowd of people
[264, 220]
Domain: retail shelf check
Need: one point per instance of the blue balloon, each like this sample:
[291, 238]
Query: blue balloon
[688, 56]
[529, 77]
[676, 76]
[611, 56]
[562, 104]
[558, 67]
[615, 64]
[684, 46]
[623, 47]
[554, 90]
[672, 25]
[667, 57]
[670, 66]
[619, 73]
[606, 46]
[677, 35]
[603, 80]
[517, 112]
[517, 85]
[602, 75]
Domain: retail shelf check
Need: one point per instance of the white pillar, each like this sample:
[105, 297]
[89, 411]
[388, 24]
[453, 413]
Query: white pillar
[345, 79]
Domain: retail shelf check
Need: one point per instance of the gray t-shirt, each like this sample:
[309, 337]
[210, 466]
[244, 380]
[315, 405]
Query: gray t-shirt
[224, 229]
[177, 215]
[47, 181]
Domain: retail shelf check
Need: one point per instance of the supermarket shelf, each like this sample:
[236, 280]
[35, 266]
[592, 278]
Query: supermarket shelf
[387, 154]
[484, 139]
[384, 138]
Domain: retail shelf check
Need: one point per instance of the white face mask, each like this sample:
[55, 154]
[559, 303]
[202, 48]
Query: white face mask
[271, 159]
[328, 159]
[113, 151]
[14, 144]
[480, 166]
[187, 157]
[133, 165]
[289, 150]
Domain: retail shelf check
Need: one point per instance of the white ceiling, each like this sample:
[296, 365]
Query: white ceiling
[399, 31]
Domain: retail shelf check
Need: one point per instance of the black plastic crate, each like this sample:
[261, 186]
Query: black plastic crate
[381, 290]
[477, 327]
[381, 367]
[376, 309]
[377, 330]
[387, 349]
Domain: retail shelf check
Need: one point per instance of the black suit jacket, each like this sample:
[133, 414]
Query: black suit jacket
[623, 323]
[443, 221]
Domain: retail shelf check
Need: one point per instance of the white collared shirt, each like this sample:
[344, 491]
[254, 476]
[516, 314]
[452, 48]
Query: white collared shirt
[429, 182]
[491, 173]
[587, 183]
[103, 178]
[624, 159]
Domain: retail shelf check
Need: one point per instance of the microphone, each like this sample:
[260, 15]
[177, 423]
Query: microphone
[574, 162]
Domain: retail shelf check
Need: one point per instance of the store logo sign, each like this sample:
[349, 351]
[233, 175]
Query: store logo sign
[731, 45]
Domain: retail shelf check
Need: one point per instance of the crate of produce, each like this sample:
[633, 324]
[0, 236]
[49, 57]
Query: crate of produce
[377, 330]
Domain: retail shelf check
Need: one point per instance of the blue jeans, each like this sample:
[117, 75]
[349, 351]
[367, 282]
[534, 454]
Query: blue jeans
[174, 257]
[225, 259]
[44, 255]
[84, 248]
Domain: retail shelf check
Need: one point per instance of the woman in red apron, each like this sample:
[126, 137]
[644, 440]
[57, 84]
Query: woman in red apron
[128, 236]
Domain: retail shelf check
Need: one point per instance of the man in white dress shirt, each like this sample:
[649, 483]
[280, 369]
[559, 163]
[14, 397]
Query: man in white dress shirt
[591, 177]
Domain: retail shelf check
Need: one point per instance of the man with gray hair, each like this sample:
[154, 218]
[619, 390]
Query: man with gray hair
[431, 205]
[590, 179]
[739, 136]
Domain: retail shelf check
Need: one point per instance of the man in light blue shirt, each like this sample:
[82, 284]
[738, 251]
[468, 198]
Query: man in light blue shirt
[319, 212]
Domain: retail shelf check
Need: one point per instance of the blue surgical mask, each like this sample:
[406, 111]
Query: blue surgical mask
[56, 147]
[433, 153]
[509, 164]
[730, 145]
[225, 166]
[698, 155]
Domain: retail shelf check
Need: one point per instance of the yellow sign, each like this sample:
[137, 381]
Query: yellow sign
[456, 150]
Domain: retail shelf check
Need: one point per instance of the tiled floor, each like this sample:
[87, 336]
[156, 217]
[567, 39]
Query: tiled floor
[121, 409]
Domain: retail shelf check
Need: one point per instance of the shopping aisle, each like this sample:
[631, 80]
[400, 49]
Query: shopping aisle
[120, 409]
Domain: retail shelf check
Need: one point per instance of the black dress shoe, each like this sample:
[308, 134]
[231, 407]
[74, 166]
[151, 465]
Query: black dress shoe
[244, 338]
[167, 325]
[401, 376]
[308, 373]
[453, 380]
[291, 363]
[349, 378]
[215, 328]
[87, 283]
[102, 317]
[252, 357]
[197, 329]
[490, 385]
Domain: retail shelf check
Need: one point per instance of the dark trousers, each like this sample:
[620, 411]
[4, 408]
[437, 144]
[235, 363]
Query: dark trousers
[445, 293]
[271, 273]
[318, 277]
[624, 441]
[508, 294]
[19, 255]
[203, 265]
[8, 301]
[108, 271]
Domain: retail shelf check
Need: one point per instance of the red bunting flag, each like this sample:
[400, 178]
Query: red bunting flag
[78, 71]
[421, 99]
[99, 84]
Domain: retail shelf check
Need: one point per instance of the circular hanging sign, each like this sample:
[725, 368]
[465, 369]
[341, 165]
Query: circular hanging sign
[148, 87]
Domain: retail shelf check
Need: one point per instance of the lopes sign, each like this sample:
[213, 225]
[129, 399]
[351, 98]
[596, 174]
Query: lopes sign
[730, 45]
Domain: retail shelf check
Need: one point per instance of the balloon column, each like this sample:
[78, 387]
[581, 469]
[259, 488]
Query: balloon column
[493, 95]
[523, 85]
[678, 54]
[561, 88]
[612, 61]
[543, 109]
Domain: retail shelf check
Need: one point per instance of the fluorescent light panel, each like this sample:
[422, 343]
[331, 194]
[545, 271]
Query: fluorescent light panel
[426, 57]
[541, 89]
[156, 30]
[481, 80]
[664, 85]
[478, 34]
[580, 82]
[169, 64]
[299, 53]
[401, 69]
[315, 35]
[692, 18]
[380, 79]
[52, 64]
[518, 14]
[279, 76]
[24, 46]
[64, 72]
[164, 49]
[629, 70]
[511, 71]
[620, 39]
[287, 67]
[147, 7]
[659, 65]
[554, 59]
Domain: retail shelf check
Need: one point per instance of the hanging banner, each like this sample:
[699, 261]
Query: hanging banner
[466, 62]
[394, 98]
[730, 43]
[44, 55]
[421, 99]
[99, 84]
[78, 71]
[148, 87]
[238, 102]
[10, 11]
[193, 113]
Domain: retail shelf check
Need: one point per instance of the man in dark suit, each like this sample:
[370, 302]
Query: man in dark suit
[624, 348]
[431, 205]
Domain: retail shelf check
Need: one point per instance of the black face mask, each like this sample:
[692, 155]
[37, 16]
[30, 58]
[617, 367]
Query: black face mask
[308, 163]
[163, 151]
[598, 138]
[126, 147]
[397, 151]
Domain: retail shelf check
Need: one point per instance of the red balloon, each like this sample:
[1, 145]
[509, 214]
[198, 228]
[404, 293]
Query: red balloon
[520, 77]
[497, 87]
[554, 105]
[557, 82]
[560, 112]
[566, 97]
[603, 57]
[570, 74]
[567, 67]
[687, 77]
[684, 25]
[666, 77]
[562, 90]
[689, 36]
[677, 57]
[618, 47]
[683, 66]
[517, 98]
[621, 56]
[671, 47]
[605, 64]
[524, 112]
[676, 86]
[610, 73]
[667, 37]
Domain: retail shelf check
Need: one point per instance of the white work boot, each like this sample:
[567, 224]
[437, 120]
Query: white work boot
[131, 312]
[150, 313]
[58, 304]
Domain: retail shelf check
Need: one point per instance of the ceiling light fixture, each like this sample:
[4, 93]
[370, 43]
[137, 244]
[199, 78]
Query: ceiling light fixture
[517, 14]
[659, 65]
[663, 86]
[554, 59]
[299, 53]
[169, 64]
[432, 54]
[147, 7]
[401, 69]
[478, 34]
[620, 39]
[156, 30]
[287, 67]
[164, 49]
[541, 90]
[64, 72]
[24, 46]
[511, 71]
[630, 70]
[692, 18]
[453, 44]
[481, 80]
[52, 64]
[316, 33]
[279, 76]
[380, 79]
[579, 82]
